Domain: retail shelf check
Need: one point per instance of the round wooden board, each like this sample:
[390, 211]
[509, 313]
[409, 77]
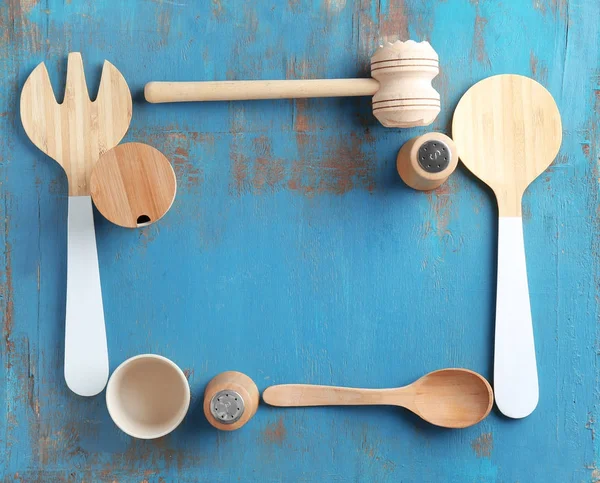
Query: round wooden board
[133, 185]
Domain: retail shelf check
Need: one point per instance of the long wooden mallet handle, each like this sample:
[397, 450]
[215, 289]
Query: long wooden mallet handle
[159, 92]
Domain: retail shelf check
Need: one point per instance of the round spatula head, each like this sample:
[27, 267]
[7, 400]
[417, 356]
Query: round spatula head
[507, 130]
[133, 185]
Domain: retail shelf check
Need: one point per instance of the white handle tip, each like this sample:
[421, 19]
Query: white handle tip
[86, 382]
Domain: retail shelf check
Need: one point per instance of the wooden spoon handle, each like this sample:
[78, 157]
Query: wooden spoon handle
[158, 92]
[515, 371]
[294, 395]
[86, 353]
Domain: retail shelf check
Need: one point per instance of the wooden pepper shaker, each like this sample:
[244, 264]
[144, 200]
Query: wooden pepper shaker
[425, 162]
[230, 400]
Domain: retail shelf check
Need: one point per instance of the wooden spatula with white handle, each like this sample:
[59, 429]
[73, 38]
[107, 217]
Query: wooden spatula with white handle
[507, 130]
[75, 134]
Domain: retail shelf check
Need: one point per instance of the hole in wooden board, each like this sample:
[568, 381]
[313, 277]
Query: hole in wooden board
[143, 220]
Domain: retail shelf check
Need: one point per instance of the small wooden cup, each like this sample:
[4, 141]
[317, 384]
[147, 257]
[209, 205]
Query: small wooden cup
[133, 185]
[230, 400]
[425, 162]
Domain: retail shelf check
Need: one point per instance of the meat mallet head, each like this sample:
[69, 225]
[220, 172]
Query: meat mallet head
[405, 97]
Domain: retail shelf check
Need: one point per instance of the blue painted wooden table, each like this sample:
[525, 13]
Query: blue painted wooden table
[293, 251]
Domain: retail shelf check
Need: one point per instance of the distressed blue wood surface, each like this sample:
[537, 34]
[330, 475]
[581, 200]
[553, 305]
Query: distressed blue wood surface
[294, 253]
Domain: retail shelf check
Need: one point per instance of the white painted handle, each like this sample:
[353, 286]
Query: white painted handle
[86, 353]
[515, 371]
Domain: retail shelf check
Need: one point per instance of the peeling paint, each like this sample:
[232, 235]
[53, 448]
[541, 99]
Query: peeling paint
[176, 146]
[164, 11]
[440, 203]
[18, 29]
[371, 450]
[483, 445]
[345, 167]
[393, 22]
[334, 6]
[7, 292]
[538, 71]
[558, 8]
[275, 432]
[379, 22]
[217, 8]
[478, 50]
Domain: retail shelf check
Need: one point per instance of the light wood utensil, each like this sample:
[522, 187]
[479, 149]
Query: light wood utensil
[452, 398]
[133, 185]
[75, 134]
[507, 129]
[401, 86]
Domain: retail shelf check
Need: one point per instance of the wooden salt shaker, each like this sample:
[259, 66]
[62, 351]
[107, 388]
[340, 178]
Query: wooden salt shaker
[230, 400]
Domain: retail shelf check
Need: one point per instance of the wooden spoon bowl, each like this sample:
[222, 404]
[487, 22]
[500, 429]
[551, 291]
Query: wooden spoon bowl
[452, 398]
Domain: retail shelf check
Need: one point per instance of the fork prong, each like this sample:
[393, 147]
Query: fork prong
[75, 89]
[39, 109]
[114, 100]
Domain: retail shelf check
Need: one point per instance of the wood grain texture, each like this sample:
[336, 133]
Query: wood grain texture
[76, 132]
[159, 92]
[294, 252]
[451, 398]
[133, 185]
[401, 86]
[508, 131]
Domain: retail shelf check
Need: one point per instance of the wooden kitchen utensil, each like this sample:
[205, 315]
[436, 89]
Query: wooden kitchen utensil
[133, 185]
[75, 134]
[508, 131]
[425, 162]
[230, 400]
[452, 398]
[401, 86]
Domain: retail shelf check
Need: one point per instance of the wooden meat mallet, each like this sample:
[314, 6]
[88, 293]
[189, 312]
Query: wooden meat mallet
[401, 86]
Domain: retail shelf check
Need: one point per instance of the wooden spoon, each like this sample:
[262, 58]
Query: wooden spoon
[75, 134]
[452, 398]
[507, 129]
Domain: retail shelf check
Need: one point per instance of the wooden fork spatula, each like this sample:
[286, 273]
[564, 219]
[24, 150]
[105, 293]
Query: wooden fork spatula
[75, 134]
[507, 129]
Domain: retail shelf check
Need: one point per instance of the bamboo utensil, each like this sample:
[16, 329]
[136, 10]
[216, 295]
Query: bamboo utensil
[508, 131]
[452, 398]
[401, 86]
[133, 185]
[75, 133]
